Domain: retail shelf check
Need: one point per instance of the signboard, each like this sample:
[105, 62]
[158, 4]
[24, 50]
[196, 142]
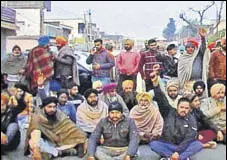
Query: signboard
[8, 15]
[80, 40]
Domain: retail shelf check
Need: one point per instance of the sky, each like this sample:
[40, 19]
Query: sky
[136, 19]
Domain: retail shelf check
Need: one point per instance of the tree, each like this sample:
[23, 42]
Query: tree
[201, 13]
[169, 31]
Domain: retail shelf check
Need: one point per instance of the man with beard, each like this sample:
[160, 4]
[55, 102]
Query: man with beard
[173, 93]
[128, 64]
[97, 85]
[178, 140]
[147, 63]
[52, 134]
[66, 72]
[90, 112]
[110, 95]
[147, 117]
[120, 137]
[23, 102]
[101, 61]
[14, 66]
[217, 66]
[128, 95]
[199, 88]
[214, 107]
[207, 131]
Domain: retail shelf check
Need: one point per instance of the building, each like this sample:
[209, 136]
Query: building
[8, 27]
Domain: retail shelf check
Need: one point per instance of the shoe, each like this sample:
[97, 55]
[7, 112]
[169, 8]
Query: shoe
[68, 152]
[80, 150]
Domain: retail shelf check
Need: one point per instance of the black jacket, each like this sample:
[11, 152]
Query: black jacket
[177, 130]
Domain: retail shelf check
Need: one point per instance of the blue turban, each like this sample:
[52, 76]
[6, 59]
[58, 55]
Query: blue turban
[44, 40]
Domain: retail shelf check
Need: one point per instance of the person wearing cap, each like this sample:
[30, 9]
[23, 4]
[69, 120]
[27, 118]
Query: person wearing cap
[207, 131]
[110, 95]
[40, 61]
[193, 64]
[199, 89]
[173, 95]
[128, 95]
[217, 65]
[120, 136]
[102, 62]
[90, 112]
[66, 71]
[178, 139]
[128, 64]
[147, 117]
[52, 134]
[14, 66]
[214, 107]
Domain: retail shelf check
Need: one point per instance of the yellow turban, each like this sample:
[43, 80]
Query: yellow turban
[216, 88]
[96, 84]
[61, 40]
[143, 95]
[131, 42]
[5, 98]
[127, 83]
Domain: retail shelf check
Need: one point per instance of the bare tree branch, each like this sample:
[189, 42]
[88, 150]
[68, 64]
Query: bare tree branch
[187, 21]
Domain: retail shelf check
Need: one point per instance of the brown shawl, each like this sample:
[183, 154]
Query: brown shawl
[148, 120]
[61, 132]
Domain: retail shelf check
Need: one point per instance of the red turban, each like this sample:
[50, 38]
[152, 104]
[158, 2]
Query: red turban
[211, 45]
[194, 43]
[61, 40]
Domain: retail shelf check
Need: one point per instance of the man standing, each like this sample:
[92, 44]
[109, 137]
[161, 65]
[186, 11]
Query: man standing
[90, 112]
[40, 62]
[147, 63]
[48, 133]
[217, 66]
[128, 64]
[193, 64]
[101, 61]
[147, 117]
[120, 137]
[14, 66]
[66, 71]
[178, 140]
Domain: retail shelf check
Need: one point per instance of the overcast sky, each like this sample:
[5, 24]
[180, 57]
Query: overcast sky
[140, 19]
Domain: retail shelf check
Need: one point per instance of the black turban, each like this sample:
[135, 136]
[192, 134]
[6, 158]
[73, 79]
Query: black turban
[115, 106]
[89, 91]
[21, 86]
[61, 91]
[49, 100]
[199, 83]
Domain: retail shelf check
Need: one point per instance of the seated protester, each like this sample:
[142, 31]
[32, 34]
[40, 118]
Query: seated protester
[128, 95]
[23, 101]
[10, 133]
[173, 93]
[147, 117]
[90, 112]
[97, 85]
[52, 134]
[4, 84]
[178, 140]
[214, 107]
[207, 130]
[120, 136]
[110, 95]
[74, 96]
[199, 88]
[63, 104]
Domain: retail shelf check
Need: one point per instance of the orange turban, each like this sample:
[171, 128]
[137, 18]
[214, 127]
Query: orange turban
[4, 98]
[61, 40]
[216, 88]
[127, 83]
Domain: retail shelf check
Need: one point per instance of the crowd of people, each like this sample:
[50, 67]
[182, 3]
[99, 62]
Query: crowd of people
[181, 111]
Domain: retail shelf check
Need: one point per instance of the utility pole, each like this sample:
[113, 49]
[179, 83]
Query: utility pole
[90, 26]
[86, 29]
[41, 22]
